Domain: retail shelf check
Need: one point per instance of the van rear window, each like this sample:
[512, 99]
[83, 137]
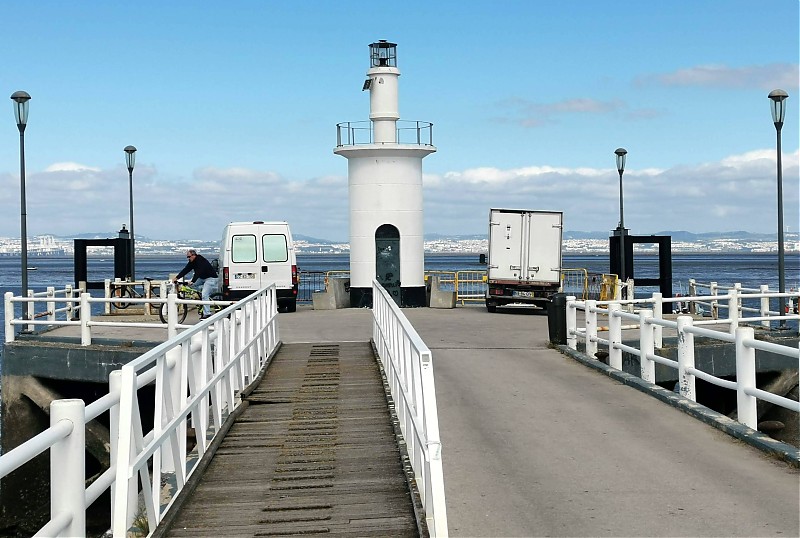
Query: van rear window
[243, 249]
[275, 249]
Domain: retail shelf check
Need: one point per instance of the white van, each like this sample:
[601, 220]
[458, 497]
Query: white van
[256, 254]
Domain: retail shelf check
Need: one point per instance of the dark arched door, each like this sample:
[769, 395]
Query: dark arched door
[387, 259]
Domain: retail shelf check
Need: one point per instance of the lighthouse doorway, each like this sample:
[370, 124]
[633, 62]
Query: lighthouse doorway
[387, 259]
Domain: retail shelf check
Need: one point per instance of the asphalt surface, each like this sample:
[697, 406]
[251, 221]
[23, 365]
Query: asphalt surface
[537, 444]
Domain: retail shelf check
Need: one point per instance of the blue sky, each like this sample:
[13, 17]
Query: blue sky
[233, 108]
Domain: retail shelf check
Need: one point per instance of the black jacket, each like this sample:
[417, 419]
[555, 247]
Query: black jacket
[201, 267]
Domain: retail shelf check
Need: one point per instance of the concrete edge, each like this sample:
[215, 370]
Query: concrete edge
[165, 525]
[782, 451]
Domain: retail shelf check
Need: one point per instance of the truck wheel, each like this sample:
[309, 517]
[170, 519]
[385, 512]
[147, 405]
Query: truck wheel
[291, 306]
[491, 307]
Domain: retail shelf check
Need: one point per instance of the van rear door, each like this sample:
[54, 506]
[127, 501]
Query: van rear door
[275, 265]
[245, 266]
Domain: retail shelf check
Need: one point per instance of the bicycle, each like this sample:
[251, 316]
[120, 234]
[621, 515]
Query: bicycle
[127, 290]
[186, 292]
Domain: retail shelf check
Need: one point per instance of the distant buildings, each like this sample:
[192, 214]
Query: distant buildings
[49, 245]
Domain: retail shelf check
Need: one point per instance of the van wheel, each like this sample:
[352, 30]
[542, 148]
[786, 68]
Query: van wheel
[291, 307]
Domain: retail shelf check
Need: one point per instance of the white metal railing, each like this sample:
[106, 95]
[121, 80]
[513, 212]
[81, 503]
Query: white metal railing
[686, 327]
[82, 306]
[408, 365]
[197, 377]
[763, 309]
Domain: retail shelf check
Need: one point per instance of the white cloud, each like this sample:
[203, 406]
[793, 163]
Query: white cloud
[737, 192]
[766, 77]
[70, 167]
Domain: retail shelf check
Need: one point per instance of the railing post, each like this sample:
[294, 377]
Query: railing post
[617, 289]
[692, 293]
[763, 311]
[107, 294]
[658, 313]
[572, 323]
[714, 302]
[69, 294]
[745, 378]
[591, 328]
[67, 467]
[86, 317]
[9, 316]
[30, 308]
[614, 336]
[115, 387]
[647, 367]
[686, 380]
[733, 309]
[172, 315]
[51, 305]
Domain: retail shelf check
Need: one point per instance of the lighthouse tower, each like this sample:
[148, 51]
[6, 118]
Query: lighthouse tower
[384, 162]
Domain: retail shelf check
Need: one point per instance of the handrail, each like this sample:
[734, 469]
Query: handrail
[210, 363]
[408, 366]
[357, 133]
[742, 336]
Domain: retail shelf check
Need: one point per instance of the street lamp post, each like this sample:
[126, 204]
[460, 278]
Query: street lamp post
[621, 153]
[21, 115]
[130, 158]
[778, 104]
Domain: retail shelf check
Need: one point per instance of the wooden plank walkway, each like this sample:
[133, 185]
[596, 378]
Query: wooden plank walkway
[314, 453]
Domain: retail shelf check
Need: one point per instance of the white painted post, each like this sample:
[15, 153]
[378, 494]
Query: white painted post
[9, 316]
[658, 313]
[614, 336]
[115, 387]
[51, 305]
[86, 317]
[686, 380]
[67, 467]
[618, 289]
[591, 328]
[70, 306]
[646, 346]
[733, 309]
[31, 310]
[572, 323]
[172, 315]
[745, 378]
[107, 294]
[764, 307]
[692, 293]
[714, 303]
[147, 286]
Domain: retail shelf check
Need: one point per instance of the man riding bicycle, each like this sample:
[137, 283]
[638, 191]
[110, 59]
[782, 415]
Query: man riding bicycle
[204, 279]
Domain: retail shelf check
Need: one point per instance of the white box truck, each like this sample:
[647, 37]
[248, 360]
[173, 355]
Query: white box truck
[524, 262]
[255, 254]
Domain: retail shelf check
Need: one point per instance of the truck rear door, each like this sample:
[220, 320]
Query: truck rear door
[543, 247]
[506, 244]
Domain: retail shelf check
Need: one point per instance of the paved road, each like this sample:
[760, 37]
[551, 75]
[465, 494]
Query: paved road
[536, 444]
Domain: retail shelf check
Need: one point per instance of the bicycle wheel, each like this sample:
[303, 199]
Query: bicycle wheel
[121, 292]
[183, 310]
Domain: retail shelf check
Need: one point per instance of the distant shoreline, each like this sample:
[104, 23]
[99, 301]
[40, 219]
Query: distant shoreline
[432, 254]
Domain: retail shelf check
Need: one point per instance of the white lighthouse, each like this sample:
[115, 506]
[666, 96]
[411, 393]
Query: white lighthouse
[384, 161]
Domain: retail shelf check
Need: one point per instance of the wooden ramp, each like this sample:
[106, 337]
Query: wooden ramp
[314, 453]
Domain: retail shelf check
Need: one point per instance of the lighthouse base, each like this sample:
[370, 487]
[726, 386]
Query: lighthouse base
[411, 297]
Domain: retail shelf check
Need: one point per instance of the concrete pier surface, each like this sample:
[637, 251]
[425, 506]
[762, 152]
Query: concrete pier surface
[537, 444]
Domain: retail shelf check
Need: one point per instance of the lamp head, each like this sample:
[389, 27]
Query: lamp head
[130, 157]
[21, 108]
[778, 98]
[621, 152]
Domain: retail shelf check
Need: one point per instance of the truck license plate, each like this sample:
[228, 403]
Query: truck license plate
[522, 293]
